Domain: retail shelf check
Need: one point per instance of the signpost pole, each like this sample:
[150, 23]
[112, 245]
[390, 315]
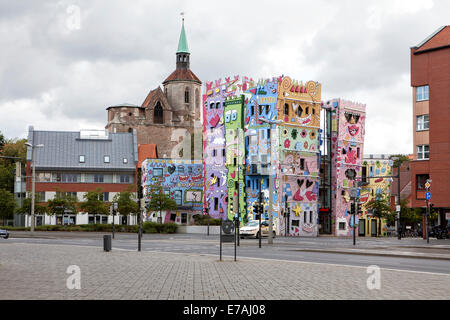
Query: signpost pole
[427, 197]
[221, 241]
[261, 209]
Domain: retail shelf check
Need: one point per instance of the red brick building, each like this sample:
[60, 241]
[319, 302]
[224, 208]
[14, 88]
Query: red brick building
[430, 80]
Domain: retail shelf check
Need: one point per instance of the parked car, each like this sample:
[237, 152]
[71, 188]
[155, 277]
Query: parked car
[251, 229]
[4, 234]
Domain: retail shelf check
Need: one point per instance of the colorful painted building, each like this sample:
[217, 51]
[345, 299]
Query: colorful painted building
[271, 144]
[347, 145]
[182, 180]
[374, 187]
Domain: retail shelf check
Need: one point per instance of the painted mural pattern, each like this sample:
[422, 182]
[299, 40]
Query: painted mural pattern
[270, 132]
[181, 179]
[347, 147]
[377, 188]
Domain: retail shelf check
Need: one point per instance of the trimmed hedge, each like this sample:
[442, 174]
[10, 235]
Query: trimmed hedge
[202, 220]
[153, 227]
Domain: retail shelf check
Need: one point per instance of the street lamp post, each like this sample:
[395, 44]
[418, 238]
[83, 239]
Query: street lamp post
[33, 180]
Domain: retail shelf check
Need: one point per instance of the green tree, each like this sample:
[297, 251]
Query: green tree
[94, 203]
[26, 206]
[380, 210]
[62, 203]
[2, 140]
[159, 201]
[125, 203]
[7, 205]
[11, 148]
[401, 158]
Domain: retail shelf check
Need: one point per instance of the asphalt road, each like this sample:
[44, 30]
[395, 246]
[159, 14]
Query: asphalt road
[283, 249]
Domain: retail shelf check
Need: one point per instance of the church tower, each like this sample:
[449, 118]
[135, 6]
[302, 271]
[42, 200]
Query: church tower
[182, 88]
[169, 118]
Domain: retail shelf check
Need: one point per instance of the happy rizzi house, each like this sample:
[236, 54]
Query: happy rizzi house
[263, 136]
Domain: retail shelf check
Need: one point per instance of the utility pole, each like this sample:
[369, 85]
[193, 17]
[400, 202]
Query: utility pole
[33, 180]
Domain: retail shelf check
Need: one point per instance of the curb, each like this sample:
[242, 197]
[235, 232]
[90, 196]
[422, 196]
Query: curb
[376, 254]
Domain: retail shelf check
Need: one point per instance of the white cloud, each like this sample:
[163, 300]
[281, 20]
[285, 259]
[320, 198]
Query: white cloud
[60, 78]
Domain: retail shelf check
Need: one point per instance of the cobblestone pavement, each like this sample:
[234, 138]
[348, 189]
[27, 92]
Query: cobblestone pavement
[37, 271]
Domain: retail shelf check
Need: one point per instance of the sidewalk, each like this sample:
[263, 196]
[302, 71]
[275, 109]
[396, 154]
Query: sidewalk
[33, 271]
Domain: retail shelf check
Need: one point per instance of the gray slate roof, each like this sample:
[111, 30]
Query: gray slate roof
[62, 150]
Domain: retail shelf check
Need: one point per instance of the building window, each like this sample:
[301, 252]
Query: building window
[423, 122]
[186, 95]
[157, 172]
[125, 178]
[105, 196]
[223, 152]
[295, 223]
[422, 93]
[252, 110]
[180, 170]
[341, 225]
[286, 109]
[211, 106]
[98, 178]
[177, 196]
[82, 159]
[421, 179]
[125, 160]
[310, 216]
[106, 159]
[214, 152]
[302, 164]
[364, 175]
[158, 113]
[423, 152]
[184, 218]
[216, 204]
[40, 196]
[304, 216]
[217, 105]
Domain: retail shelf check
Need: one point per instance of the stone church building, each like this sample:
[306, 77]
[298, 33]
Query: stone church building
[168, 117]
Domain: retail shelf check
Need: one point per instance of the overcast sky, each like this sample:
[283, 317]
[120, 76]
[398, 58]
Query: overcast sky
[63, 62]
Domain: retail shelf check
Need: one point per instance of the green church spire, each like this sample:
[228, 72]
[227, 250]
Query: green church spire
[182, 43]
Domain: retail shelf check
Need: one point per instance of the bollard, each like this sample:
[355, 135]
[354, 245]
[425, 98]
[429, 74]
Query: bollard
[107, 242]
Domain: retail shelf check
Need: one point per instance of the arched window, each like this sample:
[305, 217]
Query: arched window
[186, 95]
[286, 109]
[158, 114]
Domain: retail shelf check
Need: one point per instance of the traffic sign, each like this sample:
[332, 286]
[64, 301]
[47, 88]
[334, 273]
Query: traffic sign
[427, 185]
[428, 195]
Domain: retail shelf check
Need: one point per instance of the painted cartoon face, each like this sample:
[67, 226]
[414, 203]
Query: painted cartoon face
[228, 116]
[353, 130]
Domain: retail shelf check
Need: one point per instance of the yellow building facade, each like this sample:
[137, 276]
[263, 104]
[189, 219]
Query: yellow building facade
[376, 185]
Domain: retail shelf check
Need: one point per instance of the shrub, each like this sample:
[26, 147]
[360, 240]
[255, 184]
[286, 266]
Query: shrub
[153, 227]
[202, 220]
